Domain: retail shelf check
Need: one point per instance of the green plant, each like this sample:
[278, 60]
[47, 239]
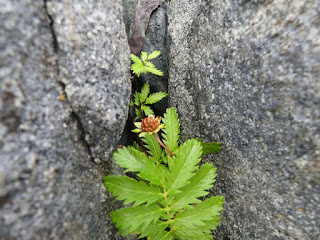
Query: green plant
[144, 65]
[165, 193]
[143, 99]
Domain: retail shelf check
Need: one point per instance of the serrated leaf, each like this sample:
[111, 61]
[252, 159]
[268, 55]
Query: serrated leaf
[138, 68]
[172, 129]
[131, 190]
[162, 235]
[155, 97]
[154, 54]
[135, 59]
[138, 113]
[199, 183]
[154, 71]
[153, 228]
[149, 64]
[136, 96]
[144, 56]
[144, 92]
[153, 146]
[136, 146]
[183, 165]
[136, 161]
[147, 110]
[131, 219]
[211, 147]
[202, 212]
[131, 103]
[193, 233]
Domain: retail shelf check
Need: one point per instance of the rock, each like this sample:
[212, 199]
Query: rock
[246, 73]
[64, 69]
[98, 86]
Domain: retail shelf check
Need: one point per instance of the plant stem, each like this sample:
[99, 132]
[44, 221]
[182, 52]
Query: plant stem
[162, 144]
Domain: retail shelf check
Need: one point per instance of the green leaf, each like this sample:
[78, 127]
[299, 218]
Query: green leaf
[171, 130]
[147, 110]
[193, 233]
[154, 54]
[138, 68]
[154, 71]
[131, 103]
[144, 92]
[144, 56]
[149, 64]
[153, 146]
[135, 59]
[136, 161]
[138, 113]
[162, 235]
[211, 147]
[202, 212]
[183, 165]
[152, 228]
[156, 97]
[131, 190]
[131, 219]
[199, 183]
[136, 96]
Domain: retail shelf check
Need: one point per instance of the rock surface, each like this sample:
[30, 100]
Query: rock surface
[64, 96]
[246, 73]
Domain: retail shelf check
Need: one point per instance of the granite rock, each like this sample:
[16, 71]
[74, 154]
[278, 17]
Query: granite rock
[246, 73]
[61, 66]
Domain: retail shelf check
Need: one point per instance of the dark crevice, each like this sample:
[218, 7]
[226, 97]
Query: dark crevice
[51, 24]
[74, 116]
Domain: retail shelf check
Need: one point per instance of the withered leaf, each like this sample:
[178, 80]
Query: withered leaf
[144, 9]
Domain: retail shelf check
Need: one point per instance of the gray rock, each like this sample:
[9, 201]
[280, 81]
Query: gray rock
[93, 66]
[246, 73]
[59, 72]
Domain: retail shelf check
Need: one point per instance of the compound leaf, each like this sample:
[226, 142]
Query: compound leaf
[154, 54]
[211, 147]
[183, 165]
[136, 161]
[204, 211]
[144, 92]
[156, 97]
[144, 56]
[171, 130]
[147, 110]
[136, 96]
[154, 71]
[131, 219]
[199, 183]
[153, 146]
[131, 190]
[135, 59]
[162, 235]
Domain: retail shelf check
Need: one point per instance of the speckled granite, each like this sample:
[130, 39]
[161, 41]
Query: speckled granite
[156, 39]
[247, 73]
[63, 69]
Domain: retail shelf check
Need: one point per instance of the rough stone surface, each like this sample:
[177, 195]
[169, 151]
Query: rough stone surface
[247, 73]
[56, 77]
[94, 61]
[156, 39]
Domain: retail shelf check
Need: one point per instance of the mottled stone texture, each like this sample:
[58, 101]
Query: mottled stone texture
[247, 73]
[64, 71]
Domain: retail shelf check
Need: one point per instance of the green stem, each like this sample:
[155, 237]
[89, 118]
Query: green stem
[162, 144]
